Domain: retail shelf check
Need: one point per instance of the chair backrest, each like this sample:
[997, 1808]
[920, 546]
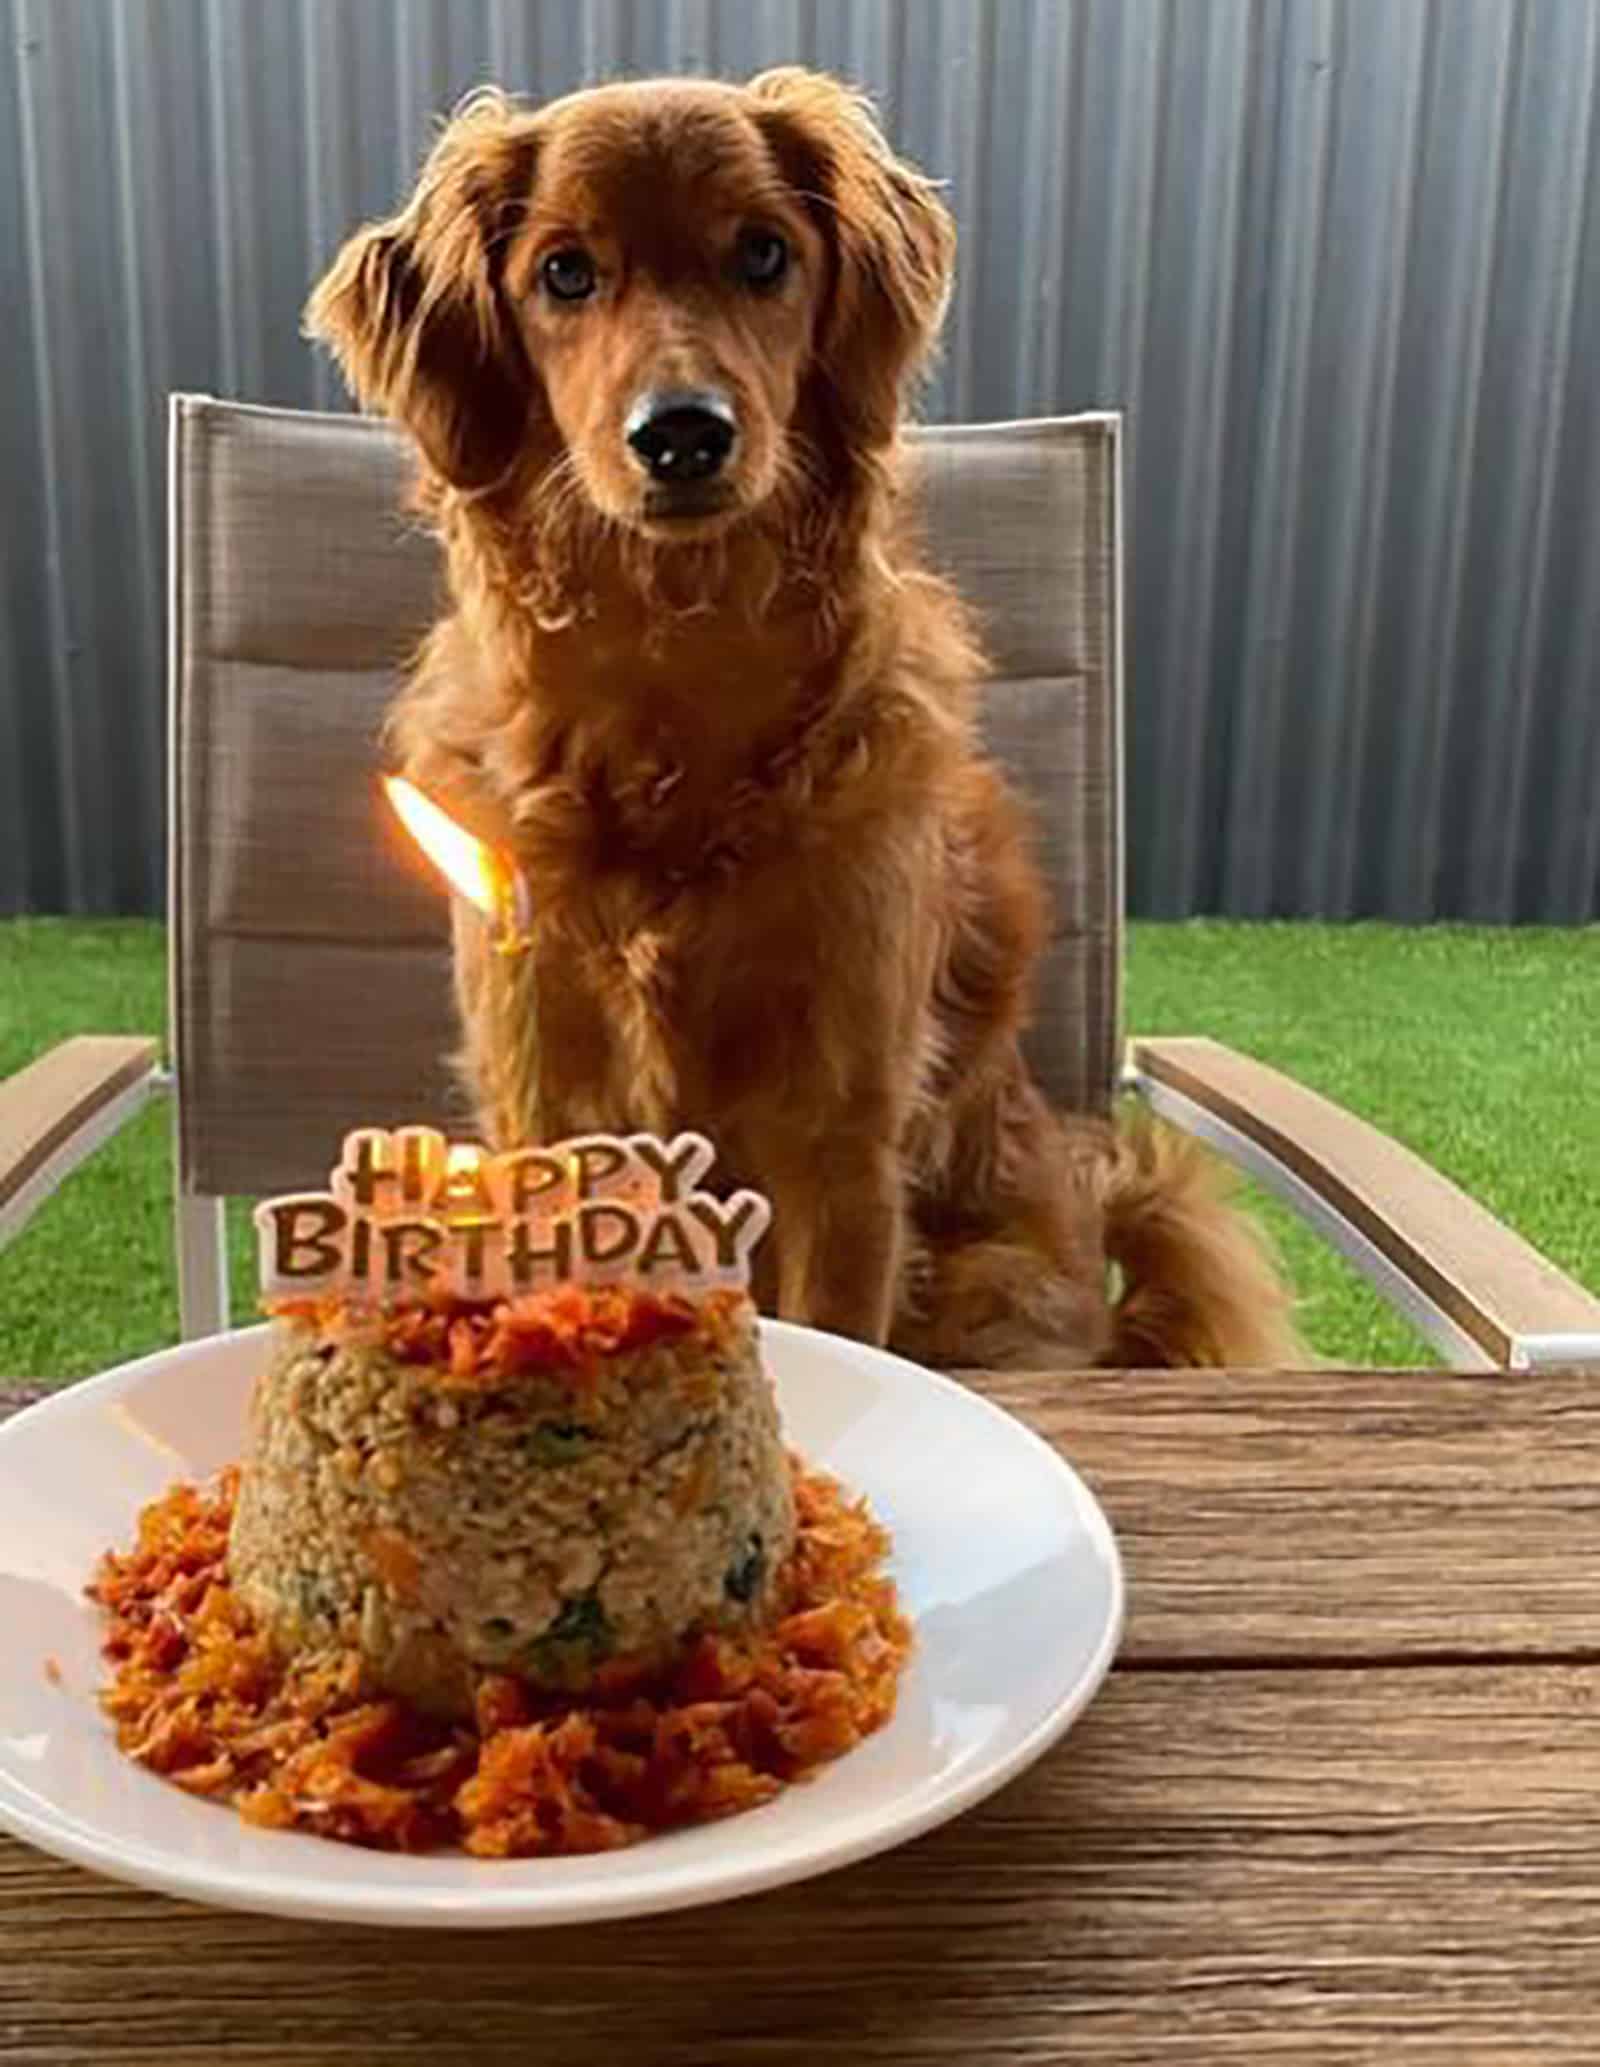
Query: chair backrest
[309, 947]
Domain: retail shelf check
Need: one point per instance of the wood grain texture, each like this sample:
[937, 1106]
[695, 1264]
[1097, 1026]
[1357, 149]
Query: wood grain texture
[1340, 1515]
[1488, 1279]
[1287, 1866]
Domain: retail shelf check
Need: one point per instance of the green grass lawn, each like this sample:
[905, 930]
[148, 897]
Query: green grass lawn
[1477, 1047]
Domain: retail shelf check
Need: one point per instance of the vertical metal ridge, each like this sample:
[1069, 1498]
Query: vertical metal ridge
[1396, 82]
[1569, 753]
[1046, 95]
[1226, 665]
[1135, 144]
[1486, 525]
[1138, 39]
[962, 26]
[83, 889]
[602, 40]
[508, 54]
[1559, 149]
[688, 37]
[1193, 293]
[1392, 606]
[27, 843]
[142, 633]
[414, 74]
[1272, 573]
[871, 33]
[318, 62]
[217, 79]
[1414, 832]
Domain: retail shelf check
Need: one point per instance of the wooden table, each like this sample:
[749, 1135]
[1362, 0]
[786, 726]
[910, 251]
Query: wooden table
[1340, 1802]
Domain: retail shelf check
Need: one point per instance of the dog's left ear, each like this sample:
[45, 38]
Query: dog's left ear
[413, 307]
[891, 238]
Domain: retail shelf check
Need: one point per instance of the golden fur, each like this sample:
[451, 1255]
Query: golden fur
[781, 895]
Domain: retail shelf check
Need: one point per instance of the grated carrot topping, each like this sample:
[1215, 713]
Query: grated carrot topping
[197, 1695]
[566, 1330]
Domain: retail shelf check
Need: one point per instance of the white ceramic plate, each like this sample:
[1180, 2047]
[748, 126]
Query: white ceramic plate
[1005, 1564]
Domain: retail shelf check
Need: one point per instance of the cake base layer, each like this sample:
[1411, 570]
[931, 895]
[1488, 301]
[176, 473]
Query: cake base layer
[569, 1501]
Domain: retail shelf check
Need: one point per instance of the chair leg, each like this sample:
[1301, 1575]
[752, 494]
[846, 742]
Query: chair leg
[200, 1236]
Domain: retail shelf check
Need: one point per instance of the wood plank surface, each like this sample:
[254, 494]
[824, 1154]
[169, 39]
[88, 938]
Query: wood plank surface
[1340, 1515]
[1299, 1865]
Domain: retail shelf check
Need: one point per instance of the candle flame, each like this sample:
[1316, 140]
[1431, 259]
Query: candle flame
[464, 860]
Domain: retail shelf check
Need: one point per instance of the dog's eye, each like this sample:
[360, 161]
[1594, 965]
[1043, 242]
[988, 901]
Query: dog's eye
[763, 258]
[568, 274]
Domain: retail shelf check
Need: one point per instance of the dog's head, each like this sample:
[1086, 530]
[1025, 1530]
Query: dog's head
[689, 293]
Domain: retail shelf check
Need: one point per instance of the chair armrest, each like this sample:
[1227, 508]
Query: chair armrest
[1478, 1290]
[59, 1109]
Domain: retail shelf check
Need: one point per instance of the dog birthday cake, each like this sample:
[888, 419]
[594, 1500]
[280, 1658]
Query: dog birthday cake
[552, 1479]
[516, 1558]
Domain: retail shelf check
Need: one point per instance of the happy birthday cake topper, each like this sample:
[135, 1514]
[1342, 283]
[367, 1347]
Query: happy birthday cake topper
[410, 1213]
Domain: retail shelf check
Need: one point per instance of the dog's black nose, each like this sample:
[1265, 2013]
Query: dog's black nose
[681, 434]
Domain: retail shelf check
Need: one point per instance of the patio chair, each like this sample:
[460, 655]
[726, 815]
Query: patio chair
[309, 948]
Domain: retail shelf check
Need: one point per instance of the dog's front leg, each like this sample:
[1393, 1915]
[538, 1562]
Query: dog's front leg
[839, 1215]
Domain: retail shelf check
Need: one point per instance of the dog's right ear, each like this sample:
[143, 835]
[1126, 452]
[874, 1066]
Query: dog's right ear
[413, 308]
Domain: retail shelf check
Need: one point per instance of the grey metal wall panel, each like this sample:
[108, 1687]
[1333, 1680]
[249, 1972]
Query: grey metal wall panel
[1339, 260]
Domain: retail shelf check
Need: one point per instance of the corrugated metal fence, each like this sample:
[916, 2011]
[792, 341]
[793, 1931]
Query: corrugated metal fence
[1339, 259]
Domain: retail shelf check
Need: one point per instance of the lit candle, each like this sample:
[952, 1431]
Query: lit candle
[480, 873]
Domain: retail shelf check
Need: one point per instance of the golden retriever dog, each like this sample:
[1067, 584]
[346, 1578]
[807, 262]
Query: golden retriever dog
[653, 343]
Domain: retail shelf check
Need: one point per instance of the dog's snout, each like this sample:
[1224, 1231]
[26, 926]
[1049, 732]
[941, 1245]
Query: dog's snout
[681, 434]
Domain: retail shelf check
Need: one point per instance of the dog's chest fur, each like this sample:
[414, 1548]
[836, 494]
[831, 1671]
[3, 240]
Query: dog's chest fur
[703, 971]
[737, 841]
[705, 929]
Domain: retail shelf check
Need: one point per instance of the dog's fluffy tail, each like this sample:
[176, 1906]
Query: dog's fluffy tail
[1200, 1285]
